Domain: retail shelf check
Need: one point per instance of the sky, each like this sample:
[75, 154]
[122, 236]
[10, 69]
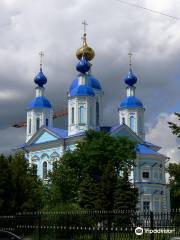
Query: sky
[55, 27]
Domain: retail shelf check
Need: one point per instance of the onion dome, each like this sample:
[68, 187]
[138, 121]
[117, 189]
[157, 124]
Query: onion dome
[85, 50]
[130, 79]
[39, 102]
[40, 79]
[131, 102]
[91, 82]
[83, 65]
[82, 90]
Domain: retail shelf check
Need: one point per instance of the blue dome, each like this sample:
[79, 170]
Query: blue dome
[83, 65]
[40, 79]
[91, 81]
[130, 102]
[130, 79]
[39, 102]
[82, 90]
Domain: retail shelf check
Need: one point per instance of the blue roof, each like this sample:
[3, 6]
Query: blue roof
[60, 132]
[39, 102]
[91, 81]
[40, 79]
[83, 65]
[82, 90]
[130, 79]
[130, 102]
[141, 148]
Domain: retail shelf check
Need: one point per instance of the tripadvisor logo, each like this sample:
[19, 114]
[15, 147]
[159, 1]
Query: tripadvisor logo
[139, 231]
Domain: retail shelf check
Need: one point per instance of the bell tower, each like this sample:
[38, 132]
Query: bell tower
[131, 109]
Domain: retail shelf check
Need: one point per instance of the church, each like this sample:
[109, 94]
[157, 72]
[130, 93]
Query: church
[45, 144]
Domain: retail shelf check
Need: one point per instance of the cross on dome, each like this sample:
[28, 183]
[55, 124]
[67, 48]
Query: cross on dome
[41, 54]
[130, 58]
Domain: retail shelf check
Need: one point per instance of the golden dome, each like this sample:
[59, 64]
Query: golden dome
[85, 50]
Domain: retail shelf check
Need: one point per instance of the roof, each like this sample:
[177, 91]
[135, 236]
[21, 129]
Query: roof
[82, 90]
[60, 132]
[130, 102]
[39, 102]
[142, 149]
[91, 82]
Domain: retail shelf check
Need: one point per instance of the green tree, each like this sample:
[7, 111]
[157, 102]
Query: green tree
[27, 189]
[126, 196]
[88, 175]
[174, 170]
[174, 127]
[174, 179]
[6, 185]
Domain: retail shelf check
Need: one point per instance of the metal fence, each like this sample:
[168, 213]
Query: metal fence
[94, 225]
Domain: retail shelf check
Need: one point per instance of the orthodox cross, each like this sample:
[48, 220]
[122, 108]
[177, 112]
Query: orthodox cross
[41, 54]
[85, 24]
[84, 35]
[130, 58]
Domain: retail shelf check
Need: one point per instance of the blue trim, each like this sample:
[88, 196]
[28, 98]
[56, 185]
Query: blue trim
[150, 183]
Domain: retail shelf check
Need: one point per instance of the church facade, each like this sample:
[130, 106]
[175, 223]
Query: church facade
[45, 144]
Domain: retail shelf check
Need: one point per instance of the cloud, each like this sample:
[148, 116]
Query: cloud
[160, 134]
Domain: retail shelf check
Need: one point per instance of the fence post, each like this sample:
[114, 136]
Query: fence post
[109, 226]
[152, 224]
[39, 226]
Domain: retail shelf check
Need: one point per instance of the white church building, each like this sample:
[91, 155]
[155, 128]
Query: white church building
[46, 143]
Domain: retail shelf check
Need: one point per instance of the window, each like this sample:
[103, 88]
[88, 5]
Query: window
[146, 205]
[156, 174]
[47, 122]
[37, 124]
[145, 175]
[81, 115]
[123, 120]
[44, 170]
[132, 125]
[72, 115]
[29, 125]
[97, 114]
[156, 204]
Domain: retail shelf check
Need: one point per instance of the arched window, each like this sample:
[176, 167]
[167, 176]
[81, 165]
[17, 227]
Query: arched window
[132, 123]
[97, 114]
[30, 125]
[47, 122]
[72, 115]
[45, 170]
[37, 124]
[81, 115]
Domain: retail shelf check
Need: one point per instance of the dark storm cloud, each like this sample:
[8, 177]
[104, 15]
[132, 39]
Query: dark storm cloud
[55, 27]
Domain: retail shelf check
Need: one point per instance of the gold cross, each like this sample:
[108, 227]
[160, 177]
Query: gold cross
[85, 24]
[130, 58]
[41, 54]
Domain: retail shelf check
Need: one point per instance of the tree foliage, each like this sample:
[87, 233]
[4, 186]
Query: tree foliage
[174, 127]
[20, 189]
[88, 176]
[174, 179]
